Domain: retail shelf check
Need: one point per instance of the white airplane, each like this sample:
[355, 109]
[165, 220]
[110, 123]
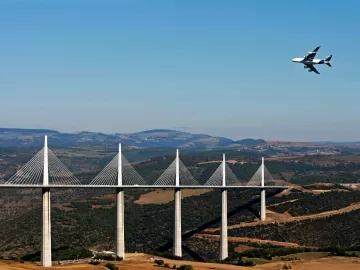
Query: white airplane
[309, 60]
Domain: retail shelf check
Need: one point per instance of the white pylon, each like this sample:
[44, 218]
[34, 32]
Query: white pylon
[46, 164]
[223, 234]
[262, 203]
[120, 178]
[120, 230]
[46, 216]
[177, 197]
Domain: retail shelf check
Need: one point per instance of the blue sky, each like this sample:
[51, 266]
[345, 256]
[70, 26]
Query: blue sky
[220, 67]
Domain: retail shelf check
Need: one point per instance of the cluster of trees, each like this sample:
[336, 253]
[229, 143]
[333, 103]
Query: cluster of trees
[62, 253]
[312, 204]
[166, 265]
[338, 230]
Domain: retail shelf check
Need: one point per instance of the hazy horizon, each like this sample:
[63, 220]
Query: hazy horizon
[217, 67]
[230, 132]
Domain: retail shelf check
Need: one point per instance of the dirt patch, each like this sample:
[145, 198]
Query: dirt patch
[247, 239]
[63, 206]
[106, 196]
[142, 261]
[320, 184]
[289, 201]
[278, 217]
[165, 196]
[132, 261]
[109, 206]
[232, 161]
[243, 248]
[284, 219]
[330, 263]
[318, 191]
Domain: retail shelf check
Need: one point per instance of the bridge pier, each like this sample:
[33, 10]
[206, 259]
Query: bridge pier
[46, 217]
[46, 229]
[263, 206]
[120, 236]
[120, 232]
[177, 229]
[262, 203]
[177, 250]
[223, 230]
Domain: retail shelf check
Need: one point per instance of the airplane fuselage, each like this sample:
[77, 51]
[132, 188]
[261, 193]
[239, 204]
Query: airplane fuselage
[310, 62]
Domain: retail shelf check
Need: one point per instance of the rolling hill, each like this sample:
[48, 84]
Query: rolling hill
[15, 137]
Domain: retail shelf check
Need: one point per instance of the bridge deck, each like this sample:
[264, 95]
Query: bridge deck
[138, 186]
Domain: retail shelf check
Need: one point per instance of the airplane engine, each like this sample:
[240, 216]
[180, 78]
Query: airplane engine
[309, 70]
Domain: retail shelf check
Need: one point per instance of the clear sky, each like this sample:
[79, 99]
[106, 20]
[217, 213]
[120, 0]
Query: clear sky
[220, 67]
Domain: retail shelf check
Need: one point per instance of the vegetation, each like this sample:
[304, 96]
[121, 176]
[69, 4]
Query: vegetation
[319, 203]
[111, 266]
[186, 267]
[87, 218]
[340, 230]
[270, 252]
[59, 254]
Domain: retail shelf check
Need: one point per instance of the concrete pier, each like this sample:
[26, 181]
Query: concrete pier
[120, 230]
[223, 229]
[177, 228]
[177, 224]
[46, 229]
[46, 217]
[120, 233]
[223, 233]
[262, 204]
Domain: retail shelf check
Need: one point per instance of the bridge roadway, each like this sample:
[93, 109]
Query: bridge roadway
[140, 186]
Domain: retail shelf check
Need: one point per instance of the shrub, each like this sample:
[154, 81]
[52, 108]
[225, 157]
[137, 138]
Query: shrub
[93, 262]
[186, 267]
[111, 266]
[159, 262]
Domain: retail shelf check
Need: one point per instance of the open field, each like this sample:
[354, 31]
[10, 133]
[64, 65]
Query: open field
[143, 261]
[247, 239]
[165, 196]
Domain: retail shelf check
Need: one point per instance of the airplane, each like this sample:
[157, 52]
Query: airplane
[309, 61]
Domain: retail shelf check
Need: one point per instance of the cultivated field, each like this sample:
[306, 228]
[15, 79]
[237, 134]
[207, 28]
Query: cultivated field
[165, 196]
[143, 261]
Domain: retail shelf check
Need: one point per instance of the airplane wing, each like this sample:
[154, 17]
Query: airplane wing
[311, 55]
[312, 68]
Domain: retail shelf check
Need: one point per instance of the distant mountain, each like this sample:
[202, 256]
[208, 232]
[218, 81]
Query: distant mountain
[12, 137]
[342, 143]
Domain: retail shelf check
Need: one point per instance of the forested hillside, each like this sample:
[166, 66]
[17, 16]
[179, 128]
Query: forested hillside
[86, 217]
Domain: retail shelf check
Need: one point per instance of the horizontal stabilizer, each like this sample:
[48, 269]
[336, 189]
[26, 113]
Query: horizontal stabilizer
[328, 58]
[329, 64]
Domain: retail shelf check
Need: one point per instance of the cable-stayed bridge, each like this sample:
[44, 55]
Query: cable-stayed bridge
[46, 171]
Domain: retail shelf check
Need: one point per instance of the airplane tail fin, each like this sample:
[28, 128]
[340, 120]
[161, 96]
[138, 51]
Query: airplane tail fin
[327, 60]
